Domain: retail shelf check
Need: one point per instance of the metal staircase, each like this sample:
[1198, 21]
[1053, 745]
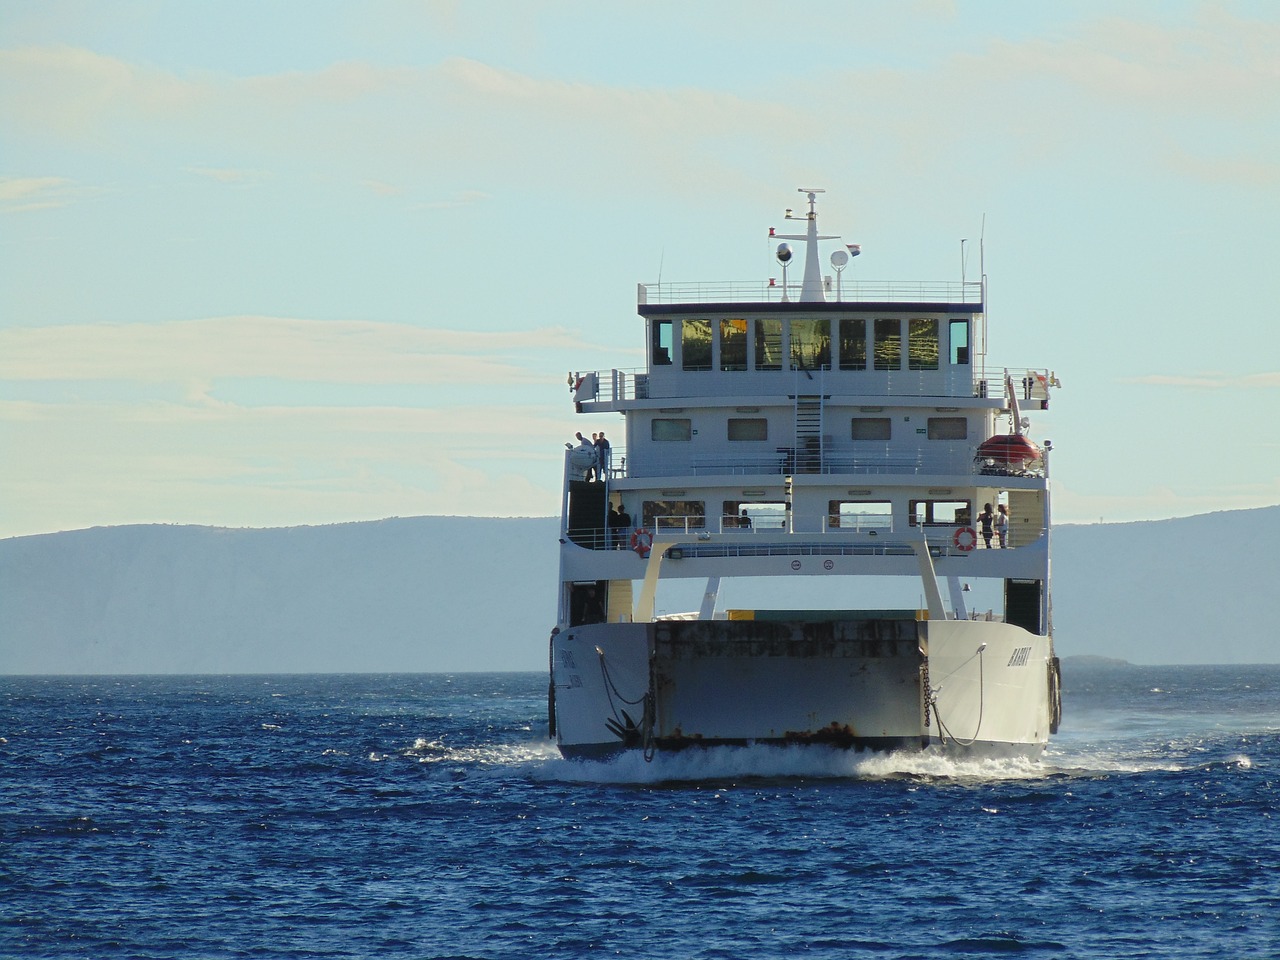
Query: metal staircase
[808, 433]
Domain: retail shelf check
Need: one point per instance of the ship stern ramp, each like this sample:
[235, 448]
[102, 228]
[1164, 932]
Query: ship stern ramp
[673, 684]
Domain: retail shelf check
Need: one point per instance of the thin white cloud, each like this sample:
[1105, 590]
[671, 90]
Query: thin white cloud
[21, 194]
[1212, 381]
[1166, 87]
[382, 189]
[84, 464]
[229, 175]
[462, 199]
[331, 351]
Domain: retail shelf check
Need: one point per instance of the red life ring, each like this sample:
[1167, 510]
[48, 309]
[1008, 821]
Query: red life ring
[965, 539]
[641, 541]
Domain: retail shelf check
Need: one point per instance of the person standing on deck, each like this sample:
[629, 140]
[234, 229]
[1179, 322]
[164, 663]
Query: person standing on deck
[602, 457]
[1002, 525]
[986, 520]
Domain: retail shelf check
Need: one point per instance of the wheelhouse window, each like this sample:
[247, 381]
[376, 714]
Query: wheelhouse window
[860, 514]
[748, 428]
[888, 346]
[922, 344]
[672, 428]
[959, 342]
[695, 344]
[674, 514]
[940, 512]
[810, 344]
[733, 344]
[948, 428]
[853, 343]
[768, 346]
[660, 343]
[871, 428]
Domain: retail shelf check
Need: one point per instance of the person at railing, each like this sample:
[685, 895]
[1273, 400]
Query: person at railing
[623, 529]
[986, 520]
[602, 456]
[744, 521]
[1002, 525]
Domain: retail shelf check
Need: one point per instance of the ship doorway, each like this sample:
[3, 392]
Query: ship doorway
[588, 602]
[1022, 603]
[587, 513]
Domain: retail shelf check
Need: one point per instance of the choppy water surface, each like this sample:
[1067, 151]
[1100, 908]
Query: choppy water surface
[428, 816]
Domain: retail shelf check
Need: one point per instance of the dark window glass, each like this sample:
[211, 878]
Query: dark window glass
[810, 344]
[871, 428]
[733, 344]
[768, 353]
[752, 428]
[695, 344]
[853, 343]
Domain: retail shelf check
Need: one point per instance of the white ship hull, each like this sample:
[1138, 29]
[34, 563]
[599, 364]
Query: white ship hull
[975, 687]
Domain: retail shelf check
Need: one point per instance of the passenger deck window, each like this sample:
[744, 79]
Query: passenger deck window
[860, 514]
[949, 512]
[674, 514]
[948, 428]
[748, 428]
[871, 428]
[672, 428]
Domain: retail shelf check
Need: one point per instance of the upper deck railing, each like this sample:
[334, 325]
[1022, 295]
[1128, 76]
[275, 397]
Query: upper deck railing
[847, 291]
[619, 385]
[957, 458]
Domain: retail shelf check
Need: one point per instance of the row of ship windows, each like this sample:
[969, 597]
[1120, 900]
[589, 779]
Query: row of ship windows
[848, 514]
[806, 343]
[861, 428]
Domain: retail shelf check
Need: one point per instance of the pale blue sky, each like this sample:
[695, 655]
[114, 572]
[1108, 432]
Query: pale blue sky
[277, 263]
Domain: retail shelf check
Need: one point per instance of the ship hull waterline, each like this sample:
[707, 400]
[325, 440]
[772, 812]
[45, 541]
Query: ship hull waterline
[963, 688]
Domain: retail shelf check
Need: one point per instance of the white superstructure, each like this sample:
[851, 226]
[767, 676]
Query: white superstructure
[837, 433]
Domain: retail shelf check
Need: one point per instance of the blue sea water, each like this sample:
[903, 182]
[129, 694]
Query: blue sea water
[428, 816]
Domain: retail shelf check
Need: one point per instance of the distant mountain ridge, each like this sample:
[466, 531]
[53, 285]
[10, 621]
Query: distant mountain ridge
[423, 594]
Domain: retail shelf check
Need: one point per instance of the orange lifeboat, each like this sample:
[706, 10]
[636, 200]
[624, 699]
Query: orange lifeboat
[1012, 450]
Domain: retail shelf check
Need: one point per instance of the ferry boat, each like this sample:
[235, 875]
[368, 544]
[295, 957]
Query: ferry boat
[796, 453]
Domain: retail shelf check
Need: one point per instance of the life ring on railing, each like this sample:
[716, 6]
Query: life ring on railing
[965, 539]
[642, 542]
